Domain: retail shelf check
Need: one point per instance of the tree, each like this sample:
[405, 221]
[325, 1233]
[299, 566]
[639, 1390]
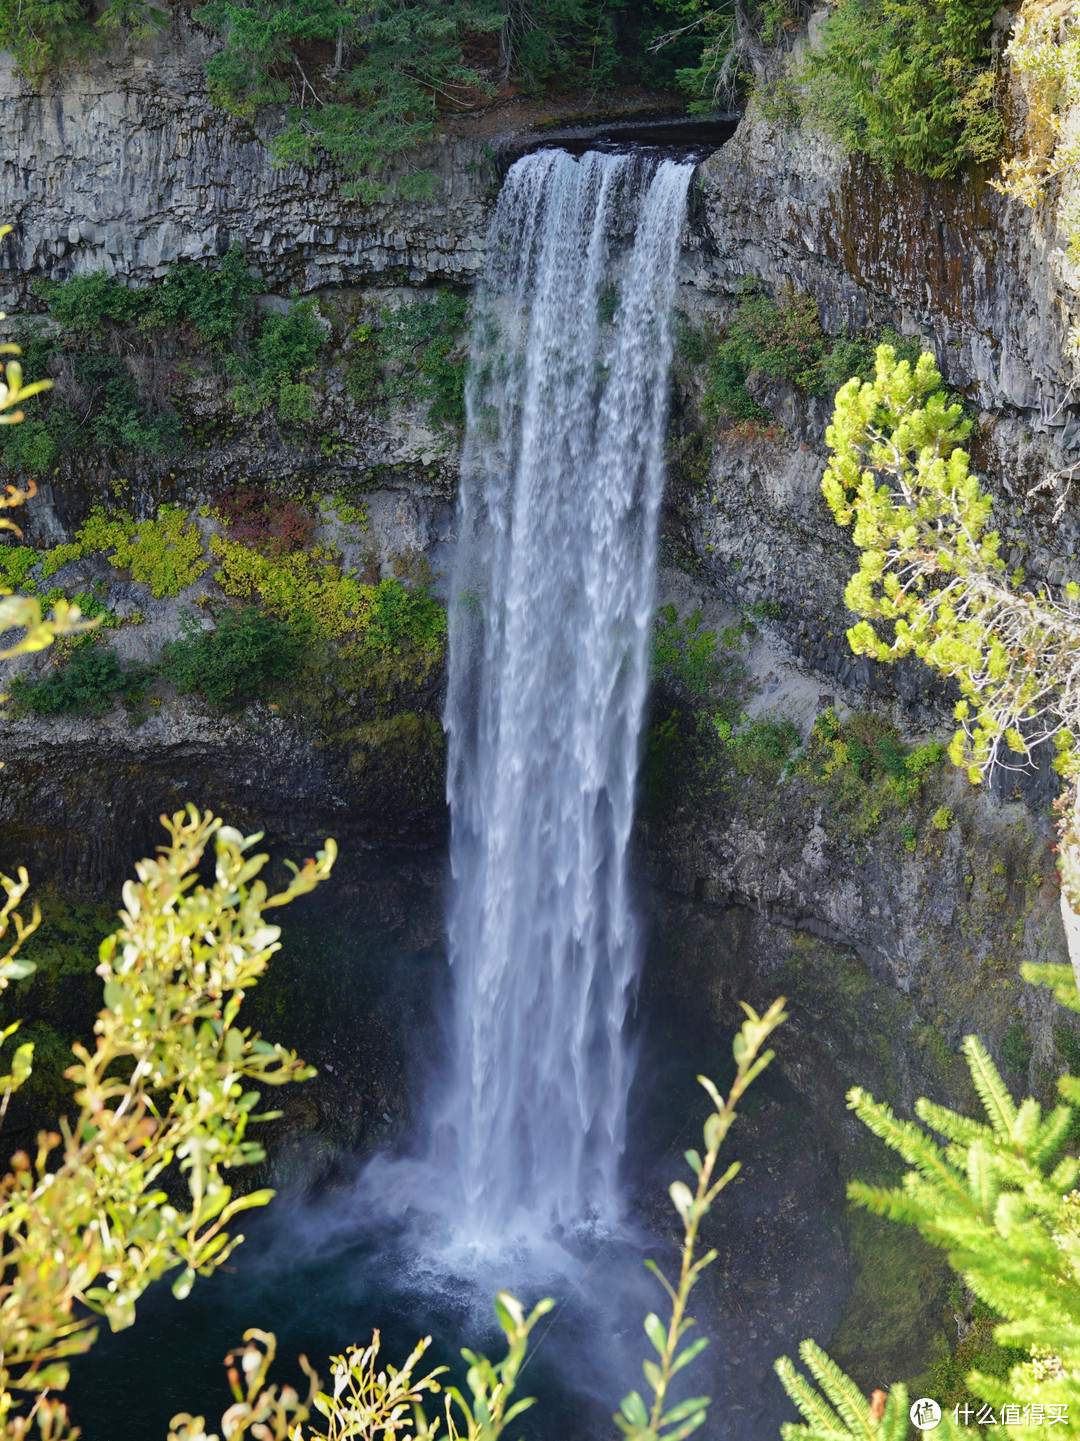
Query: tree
[1000, 1196]
[930, 569]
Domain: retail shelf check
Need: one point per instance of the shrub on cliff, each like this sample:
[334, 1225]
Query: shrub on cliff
[87, 683]
[907, 82]
[285, 349]
[216, 301]
[245, 655]
[45, 33]
[781, 337]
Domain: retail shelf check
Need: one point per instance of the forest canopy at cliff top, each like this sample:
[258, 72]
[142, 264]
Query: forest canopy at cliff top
[909, 82]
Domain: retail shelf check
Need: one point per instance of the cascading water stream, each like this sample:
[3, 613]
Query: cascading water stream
[549, 623]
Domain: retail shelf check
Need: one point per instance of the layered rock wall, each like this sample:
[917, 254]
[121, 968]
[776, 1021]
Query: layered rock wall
[125, 165]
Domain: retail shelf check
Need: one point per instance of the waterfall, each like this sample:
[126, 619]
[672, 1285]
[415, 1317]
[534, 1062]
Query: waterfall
[550, 618]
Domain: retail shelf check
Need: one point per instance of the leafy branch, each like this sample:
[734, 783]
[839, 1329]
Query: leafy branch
[653, 1423]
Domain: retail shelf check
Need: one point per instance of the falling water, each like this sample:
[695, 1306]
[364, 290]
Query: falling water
[549, 624]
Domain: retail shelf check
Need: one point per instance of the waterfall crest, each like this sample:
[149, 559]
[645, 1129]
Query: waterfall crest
[549, 625]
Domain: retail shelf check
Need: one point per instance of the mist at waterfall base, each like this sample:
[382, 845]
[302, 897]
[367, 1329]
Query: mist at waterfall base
[514, 1177]
[322, 1275]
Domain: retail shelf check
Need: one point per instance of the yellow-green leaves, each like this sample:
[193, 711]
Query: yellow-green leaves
[85, 1226]
[658, 1421]
[931, 572]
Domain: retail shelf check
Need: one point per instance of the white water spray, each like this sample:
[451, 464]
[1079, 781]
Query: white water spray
[549, 624]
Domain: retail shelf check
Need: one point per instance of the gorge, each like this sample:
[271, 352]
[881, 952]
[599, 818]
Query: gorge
[508, 997]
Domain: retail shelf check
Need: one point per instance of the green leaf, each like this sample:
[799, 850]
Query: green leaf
[682, 1199]
[687, 1354]
[684, 1409]
[656, 1332]
[181, 1287]
[633, 1408]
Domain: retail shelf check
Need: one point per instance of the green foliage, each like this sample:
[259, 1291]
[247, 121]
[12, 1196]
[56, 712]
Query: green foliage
[842, 1411]
[396, 67]
[363, 369]
[1068, 1046]
[45, 33]
[306, 589]
[761, 747]
[119, 417]
[348, 513]
[1045, 50]
[242, 659]
[394, 633]
[907, 83]
[1000, 1198]
[16, 561]
[112, 413]
[215, 300]
[560, 41]
[866, 767]
[88, 683]
[725, 390]
[403, 59]
[849, 358]
[764, 610]
[287, 346]
[1016, 1048]
[700, 46]
[946, 1379]
[400, 620]
[658, 1421]
[90, 606]
[421, 344]
[165, 553]
[34, 445]
[370, 1400]
[930, 569]
[84, 303]
[780, 337]
[22, 612]
[86, 1222]
[683, 654]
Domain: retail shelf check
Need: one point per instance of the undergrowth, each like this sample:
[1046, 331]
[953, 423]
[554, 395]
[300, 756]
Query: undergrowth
[244, 657]
[87, 683]
[779, 337]
[864, 767]
[908, 83]
[165, 553]
[683, 654]
[945, 1379]
[414, 354]
[278, 369]
[762, 747]
[391, 631]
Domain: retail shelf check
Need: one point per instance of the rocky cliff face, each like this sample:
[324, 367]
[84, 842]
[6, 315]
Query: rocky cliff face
[125, 165]
[982, 280]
